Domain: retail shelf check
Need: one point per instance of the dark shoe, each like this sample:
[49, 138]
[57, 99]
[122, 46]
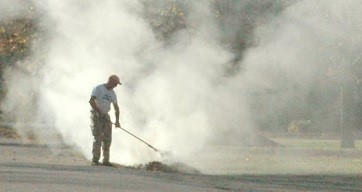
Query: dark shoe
[95, 163]
[108, 164]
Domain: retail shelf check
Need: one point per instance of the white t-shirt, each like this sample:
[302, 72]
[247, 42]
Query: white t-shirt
[104, 98]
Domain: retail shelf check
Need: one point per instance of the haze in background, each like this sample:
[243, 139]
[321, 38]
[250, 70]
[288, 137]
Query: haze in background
[179, 96]
[13, 8]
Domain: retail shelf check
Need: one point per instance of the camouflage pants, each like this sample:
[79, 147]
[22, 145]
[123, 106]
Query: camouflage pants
[102, 133]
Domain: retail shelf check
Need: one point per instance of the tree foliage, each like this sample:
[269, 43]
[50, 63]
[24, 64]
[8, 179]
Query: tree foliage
[16, 37]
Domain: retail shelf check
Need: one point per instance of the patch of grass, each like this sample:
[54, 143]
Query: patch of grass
[316, 144]
[296, 156]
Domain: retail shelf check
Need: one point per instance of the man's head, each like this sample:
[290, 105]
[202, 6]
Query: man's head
[113, 81]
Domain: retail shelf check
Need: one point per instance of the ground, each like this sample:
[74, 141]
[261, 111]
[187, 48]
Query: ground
[39, 167]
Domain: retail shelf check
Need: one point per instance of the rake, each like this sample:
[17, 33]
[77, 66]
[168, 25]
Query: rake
[162, 153]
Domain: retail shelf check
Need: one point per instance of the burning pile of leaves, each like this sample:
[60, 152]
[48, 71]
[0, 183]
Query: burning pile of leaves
[172, 168]
[157, 166]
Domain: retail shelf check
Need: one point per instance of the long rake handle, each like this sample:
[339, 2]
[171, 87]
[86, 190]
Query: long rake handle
[137, 138]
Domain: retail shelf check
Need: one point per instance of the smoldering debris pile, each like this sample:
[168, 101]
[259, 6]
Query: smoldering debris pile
[172, 168]
[157, 166]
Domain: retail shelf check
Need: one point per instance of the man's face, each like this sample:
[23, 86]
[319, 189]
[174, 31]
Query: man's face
[113, 81]
[113, 84]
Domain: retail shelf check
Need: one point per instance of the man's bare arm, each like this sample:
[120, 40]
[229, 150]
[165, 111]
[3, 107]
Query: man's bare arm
[93, 104]
[116, 109]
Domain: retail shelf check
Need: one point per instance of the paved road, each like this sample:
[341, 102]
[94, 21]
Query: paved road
[46, 177]
[25, 167]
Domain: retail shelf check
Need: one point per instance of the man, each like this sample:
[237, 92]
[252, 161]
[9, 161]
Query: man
[100, 101]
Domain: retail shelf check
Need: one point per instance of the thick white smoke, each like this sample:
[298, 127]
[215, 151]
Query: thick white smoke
[169, 97]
